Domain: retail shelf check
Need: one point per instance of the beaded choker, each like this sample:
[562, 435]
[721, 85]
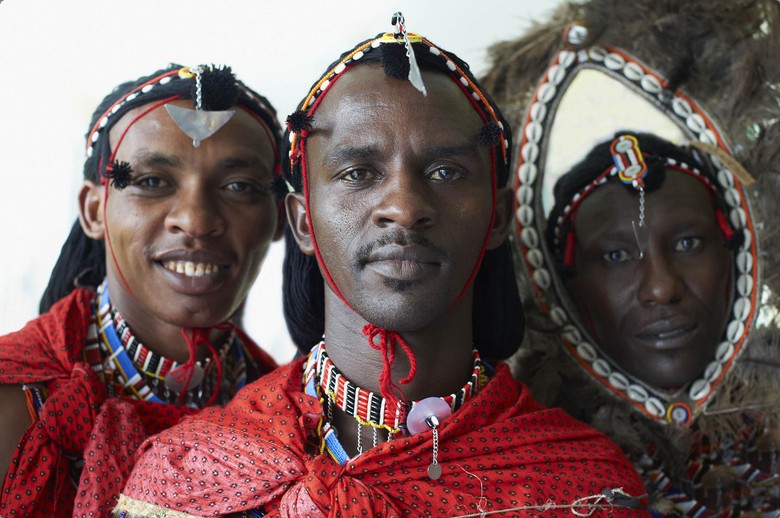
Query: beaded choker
[129, 367]
[372, 409]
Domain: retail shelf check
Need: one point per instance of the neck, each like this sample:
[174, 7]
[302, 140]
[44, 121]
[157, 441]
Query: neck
[156, 334]
[442, 350]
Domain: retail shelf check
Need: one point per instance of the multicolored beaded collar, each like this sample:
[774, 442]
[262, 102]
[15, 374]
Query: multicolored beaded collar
[129, 367]
[322, 379]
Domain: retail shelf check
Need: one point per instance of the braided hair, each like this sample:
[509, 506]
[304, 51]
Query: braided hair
[497, 311]
[82, 260]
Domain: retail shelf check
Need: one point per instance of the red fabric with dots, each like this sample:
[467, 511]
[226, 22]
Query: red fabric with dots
[78, 420]
[500, 450]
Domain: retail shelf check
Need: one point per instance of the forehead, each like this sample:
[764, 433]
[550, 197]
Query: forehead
[680, 198]
[364, 97]
[157, 131]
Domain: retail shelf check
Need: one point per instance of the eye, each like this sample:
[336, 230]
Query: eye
[150, 182]
[687, 244]
[358, 176]
[616, 256]
[242, 187]
[444, 174]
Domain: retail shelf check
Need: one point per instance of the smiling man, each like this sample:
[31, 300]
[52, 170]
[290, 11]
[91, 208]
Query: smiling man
[177, 212]
[399, 275]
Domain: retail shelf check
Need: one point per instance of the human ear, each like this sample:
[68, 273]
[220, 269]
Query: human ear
[91, 210]
[295, 203]
[503, 219]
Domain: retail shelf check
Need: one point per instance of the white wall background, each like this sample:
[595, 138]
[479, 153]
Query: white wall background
[59, 58]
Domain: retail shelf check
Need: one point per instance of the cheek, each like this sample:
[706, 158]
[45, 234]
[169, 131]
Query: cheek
[601, 299]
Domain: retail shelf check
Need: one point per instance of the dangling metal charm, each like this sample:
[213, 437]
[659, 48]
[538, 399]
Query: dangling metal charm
[399, 28]
[434, 470]
[426, 414]
[641, 235]
[632, 169]
[198, 124]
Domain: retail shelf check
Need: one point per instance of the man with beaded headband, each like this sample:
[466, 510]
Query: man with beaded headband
[182, 185]
[652, 268]
[398, 221]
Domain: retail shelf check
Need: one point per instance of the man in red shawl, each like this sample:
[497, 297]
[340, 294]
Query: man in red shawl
[177, 213]
[400, 409]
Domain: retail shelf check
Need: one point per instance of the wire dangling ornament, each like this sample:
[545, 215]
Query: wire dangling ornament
[198, 124]
[399, 30]
[632, 169]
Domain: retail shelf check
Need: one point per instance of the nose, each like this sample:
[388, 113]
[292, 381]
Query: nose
[404, 200]
[196, 213]
[659, 282]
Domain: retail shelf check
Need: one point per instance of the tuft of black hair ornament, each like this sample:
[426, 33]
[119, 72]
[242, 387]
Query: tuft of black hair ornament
[218, 88]
[119, 173]
[489, 134]
[299, 122]
[395, 61]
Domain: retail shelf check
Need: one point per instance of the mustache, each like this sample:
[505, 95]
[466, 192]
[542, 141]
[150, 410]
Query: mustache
[399, 238]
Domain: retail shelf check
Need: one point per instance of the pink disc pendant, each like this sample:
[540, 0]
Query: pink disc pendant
[177, 378]
[430, 406]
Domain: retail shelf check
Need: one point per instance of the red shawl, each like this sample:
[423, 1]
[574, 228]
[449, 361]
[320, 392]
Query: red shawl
[78, 420]
[501, 450]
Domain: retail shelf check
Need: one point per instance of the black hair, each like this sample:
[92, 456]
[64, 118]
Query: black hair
[497, 311]
[598, 160]
[82, 260]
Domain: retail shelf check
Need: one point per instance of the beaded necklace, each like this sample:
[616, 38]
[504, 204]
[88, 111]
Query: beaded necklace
[129, 368]
[323, 380]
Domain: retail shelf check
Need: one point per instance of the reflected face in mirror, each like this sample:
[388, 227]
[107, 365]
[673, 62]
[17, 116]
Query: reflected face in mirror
[660, 317]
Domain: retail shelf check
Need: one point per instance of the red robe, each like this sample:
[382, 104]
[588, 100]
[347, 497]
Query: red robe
[501, 450]
[78, 419]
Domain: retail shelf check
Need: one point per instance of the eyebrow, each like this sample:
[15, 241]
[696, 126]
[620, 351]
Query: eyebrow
[155, 158]
[341, 154]
[240, 162]
[467, 148]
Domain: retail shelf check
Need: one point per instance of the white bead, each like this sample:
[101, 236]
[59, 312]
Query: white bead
[587, 352]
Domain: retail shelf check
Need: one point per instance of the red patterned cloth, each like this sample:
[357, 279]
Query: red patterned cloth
[78, 419]
[501, 450]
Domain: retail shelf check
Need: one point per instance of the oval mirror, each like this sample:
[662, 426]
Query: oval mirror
[583, 98]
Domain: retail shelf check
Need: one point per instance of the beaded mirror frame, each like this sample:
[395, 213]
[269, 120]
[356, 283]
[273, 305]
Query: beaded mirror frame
[602, 79]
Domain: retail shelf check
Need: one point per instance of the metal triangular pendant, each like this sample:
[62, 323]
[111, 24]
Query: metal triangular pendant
[198, 124]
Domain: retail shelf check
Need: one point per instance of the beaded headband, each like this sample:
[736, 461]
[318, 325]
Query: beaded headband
[631, 169]
[299, 123]
[200, 123]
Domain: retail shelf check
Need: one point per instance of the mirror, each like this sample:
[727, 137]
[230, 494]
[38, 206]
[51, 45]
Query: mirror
[605, 90]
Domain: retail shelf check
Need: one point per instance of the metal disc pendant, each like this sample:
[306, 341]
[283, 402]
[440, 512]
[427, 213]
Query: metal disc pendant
[176, 379]
[434, 471]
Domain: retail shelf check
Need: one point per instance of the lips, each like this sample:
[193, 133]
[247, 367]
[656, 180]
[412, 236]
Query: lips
[404, 262]
[667, 334]
[193, 272]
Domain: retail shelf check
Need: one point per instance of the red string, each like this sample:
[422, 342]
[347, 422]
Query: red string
[386, 346]
[568, 251]
[194, 338]
[724, 225]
